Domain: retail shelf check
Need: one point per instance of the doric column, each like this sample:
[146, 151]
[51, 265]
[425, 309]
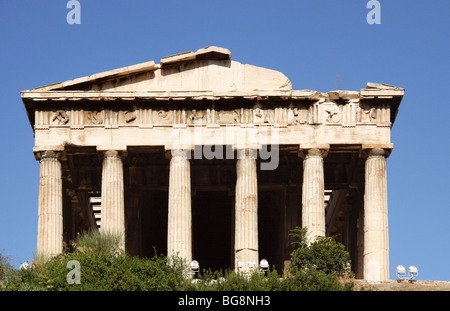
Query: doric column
[246, 209]
[113, 206]
[313, 200]
[179, 232]
[50, 213]
[376, 234]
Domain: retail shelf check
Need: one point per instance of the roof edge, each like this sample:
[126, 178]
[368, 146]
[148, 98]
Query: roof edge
[123, 71]
[210, 52]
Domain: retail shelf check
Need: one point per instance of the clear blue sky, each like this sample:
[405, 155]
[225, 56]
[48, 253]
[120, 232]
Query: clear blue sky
[320, 45]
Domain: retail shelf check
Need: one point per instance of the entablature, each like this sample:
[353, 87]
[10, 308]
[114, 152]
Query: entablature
[206, 108]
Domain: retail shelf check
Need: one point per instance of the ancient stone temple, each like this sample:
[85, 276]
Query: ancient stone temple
[214, 160]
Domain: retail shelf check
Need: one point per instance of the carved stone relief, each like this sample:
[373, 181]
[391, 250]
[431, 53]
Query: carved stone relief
[269, 116]
[162, 117]
[95, 117]
[369, 114]
[332, 112]
[366, 114]
[60, 117]
[260, 116]
[297, 115]
[195, 117]
[229, 117]
[130, 116]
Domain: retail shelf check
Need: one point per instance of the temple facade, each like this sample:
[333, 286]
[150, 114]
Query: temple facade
[213, 160]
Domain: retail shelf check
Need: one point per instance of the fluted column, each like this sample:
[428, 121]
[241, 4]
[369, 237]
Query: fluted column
[179, 235]
[113, 206]
[246, 209]
[313, 201]
[376, 233]
[50, 212]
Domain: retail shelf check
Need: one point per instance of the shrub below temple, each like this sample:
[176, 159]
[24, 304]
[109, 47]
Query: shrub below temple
[104, 267]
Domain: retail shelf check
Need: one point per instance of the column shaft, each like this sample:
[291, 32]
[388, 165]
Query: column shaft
[246, 209]
[179, 235]
[113, 206]
[313, 205]
[376, 233]
[50, 217]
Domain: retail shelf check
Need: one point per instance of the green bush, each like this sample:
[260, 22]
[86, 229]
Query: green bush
[102, 268]
[5, 267]
[323, 254]
[318, 266]
[102, 272]
[302, 280]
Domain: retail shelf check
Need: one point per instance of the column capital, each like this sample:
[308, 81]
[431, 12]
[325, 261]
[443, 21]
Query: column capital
[178, 153]
[376, 150]
[313, 150]
[110, 150]
[114, 154]
[247, 153]
[104, 154]
[43, 154]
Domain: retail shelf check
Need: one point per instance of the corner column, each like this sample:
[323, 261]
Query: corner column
[50, 212]
[113, 205]
[179, 232]
[376, 233]
[246, 210]
[313, 200]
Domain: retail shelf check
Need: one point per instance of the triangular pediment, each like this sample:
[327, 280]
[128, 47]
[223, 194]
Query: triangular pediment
[207, 75]
[208, 69]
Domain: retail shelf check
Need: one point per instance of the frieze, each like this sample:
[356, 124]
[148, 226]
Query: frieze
[322, 112]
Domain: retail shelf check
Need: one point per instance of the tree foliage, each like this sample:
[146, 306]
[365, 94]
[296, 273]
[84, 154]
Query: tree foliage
[323, 254]
[5, 267]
